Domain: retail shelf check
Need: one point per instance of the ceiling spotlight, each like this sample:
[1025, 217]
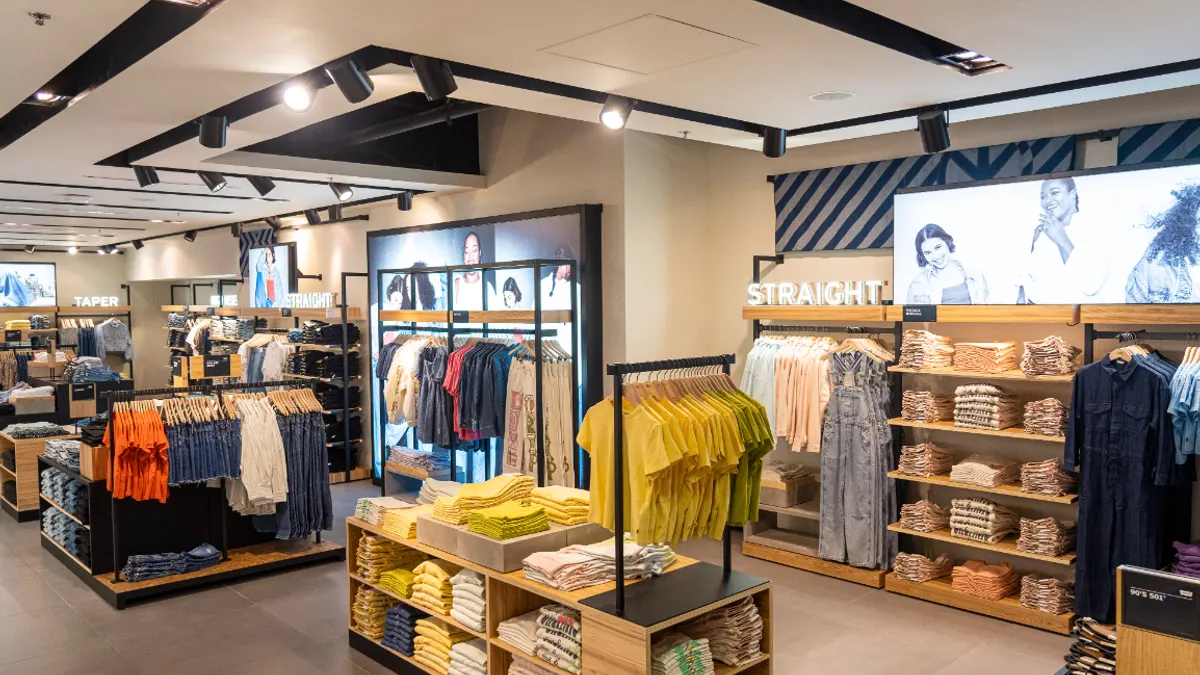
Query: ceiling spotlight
[72, 250]
[262, 184]
[343, 192]
[112, 250]
[138, 244]
[189, 236]
[146, 175]
[273, 221]
[214, 181]
[972, 63]
[312, 216]
[435, 77]
[354, 84]
[100, 250]
[45, 98]
[298, 97]
[404, 201]
[774, 142]
[30, 248]
[212, 131]
[335, 213]
[236, 229]
[934, 126]
[616, 111]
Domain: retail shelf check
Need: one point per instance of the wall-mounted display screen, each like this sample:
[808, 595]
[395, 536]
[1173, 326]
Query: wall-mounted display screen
[1105, 237]
[28, 285]
[272, 275]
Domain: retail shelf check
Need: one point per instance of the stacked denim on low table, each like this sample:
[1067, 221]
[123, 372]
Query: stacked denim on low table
[72, 536]
[153, 566]
[65, 453]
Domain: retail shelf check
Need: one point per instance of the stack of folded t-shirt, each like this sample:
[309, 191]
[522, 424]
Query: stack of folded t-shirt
[377, 555]
[1095, 649]
[527, 667]
[433, 591]
[1047, 478]
[921, 349]
[563, 505]
[676, 654]
[985, 406]
[469, 658]
[1047, 417]
[92, 431]
[403, 522]
[986, 471]
[468, 599]
[429, 462]
[1047, 594]
[399, 581]
[64, 452]
[432, 488]
[734, 632]
[521, 632]
[374, 509]
[924, 516]
[981, 520]
[508, 520]
[369, 611]
[782, 472]
[28, 430]
[1049, 356]
[918, 569]
[1187, 559]
[472, 497]
[924, 459]
[576, 567]
[434, 642]
[560, 637]
[990, 582]
[401, 627]
[926, 406]
[985, 357]
[1046, 536]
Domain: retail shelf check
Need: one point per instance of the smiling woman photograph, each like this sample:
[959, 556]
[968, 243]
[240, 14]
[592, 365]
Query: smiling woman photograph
[943, 279]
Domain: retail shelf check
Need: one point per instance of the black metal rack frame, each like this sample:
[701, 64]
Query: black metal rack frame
[1091, 335]
[538, 333]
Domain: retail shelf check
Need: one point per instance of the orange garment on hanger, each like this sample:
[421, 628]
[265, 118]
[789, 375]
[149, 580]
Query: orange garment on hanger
[139, 469]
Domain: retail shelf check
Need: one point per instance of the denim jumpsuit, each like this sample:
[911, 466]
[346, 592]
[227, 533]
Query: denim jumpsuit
[858, 500]
[1121, 439]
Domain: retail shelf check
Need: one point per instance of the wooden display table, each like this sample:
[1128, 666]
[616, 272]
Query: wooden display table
[1158, 622]
[612, 645]
[25, 475]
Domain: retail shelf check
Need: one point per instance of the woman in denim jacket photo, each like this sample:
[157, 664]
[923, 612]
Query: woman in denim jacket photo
[1167, 269]
[943, 278]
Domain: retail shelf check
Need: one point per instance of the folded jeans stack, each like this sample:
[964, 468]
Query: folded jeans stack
[472, 497]
[990, 582]
[403, 522]
[677, 654]
[1095, 649]
[1187, 559]
[434, 642]
[429, 462]
[924, 516]
[376, 555]
[509, 520]
[400, 627]
[985, 406]
[922, 350]
[69, 494]
[1047, 478]
[1047, 594]
[469, 599]
[924, 459]
[29, 430]
[576, 567]
[1047, 417]
[72, 536]
[155, 565]
[926, 406]
[985, 357]
[433, 591]
[432, 488]
[563, 505]
[981, 520]
[734, 632]
[65, 453]
[1049, 356]
[918, 569]
[1046, 536]
[560, 637]
[986, 471]
[469, 658]
[369, 611]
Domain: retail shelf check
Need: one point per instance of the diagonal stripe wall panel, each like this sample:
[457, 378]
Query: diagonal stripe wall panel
[1159, 142]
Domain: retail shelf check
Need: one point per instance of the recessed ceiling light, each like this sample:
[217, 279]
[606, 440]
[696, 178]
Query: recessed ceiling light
[824, 96]
[972, 63]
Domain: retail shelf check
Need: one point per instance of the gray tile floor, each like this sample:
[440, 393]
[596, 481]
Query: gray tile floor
[295, 623]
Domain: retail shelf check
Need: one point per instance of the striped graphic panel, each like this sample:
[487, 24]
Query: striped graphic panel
[252, 239]
[1159, 142]
[850, 207]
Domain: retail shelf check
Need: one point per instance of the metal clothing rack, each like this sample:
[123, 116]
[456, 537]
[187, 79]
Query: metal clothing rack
[1091, 335]
[618, 372]
[207, 389]
[346, 370]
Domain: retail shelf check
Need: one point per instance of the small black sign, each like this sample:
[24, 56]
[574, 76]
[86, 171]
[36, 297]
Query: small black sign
[460, 316]
[285, 312]
[12, 336]
[920, 312]
[1161, 602]
[212, 311]
[187, 309]
[83, 392]
[216, 366]
[177, 366]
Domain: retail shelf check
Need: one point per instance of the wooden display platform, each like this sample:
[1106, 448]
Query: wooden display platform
[355, 474]
[1008, 609]
[1007, 546]
[1017, 433]
[26, 451]
[248, 561]
[754, 547]
[810, 510]
[1006, 375]
[815, 312]
[1006, 490]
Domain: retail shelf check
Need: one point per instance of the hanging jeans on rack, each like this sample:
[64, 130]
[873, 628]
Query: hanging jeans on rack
[857, 498]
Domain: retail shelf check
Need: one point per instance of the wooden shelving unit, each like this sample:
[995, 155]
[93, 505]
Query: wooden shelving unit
[1166, 314]
[26, 475]
[1068, 314]
[323, 313]
[1006, 490]
[498, 316]
[1008, 609]
[1010, 432]
[1006, 547]
[815, 312]
[1006, 375]
[610, 644]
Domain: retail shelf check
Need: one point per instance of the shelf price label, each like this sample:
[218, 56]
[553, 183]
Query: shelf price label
[216, 366]
[212, 311]
[285, 312]
[920, 313]
[1161, 602]
[12, 336]
[83, 392]
[460, 316]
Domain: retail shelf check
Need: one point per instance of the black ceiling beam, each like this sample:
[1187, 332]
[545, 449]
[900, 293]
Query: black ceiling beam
[134, 207]
[299, 181]
[140, 191]
[79, 227]
[86, 217]
[452, 110]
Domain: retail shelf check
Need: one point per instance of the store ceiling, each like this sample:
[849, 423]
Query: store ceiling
[738, 59]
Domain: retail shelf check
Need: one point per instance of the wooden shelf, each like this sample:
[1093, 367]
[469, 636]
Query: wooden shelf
[408, 659]
[549, 667]
[815, 312]
[524, 316]
[447, 619]
[780, 485]
[337, 411]
[1007, 547]
[8, 471]
[810, 510]
[337, 349]
[410, 472]
[1010, 432]
[1068, 314]
[329, 380]
[1008, 609]
[726, 669]
[55, 544]
[65, 512]
[93, 311]
[1006, 490]
[413, 316]
[1006, 375]
[1141, 314]
[221, 339]
[327, 313]
[800, 551]
[355, 474]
